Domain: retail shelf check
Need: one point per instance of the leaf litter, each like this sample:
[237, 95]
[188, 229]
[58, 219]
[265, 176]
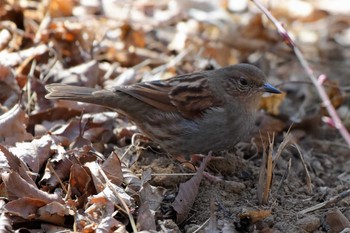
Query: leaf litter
[82, 168]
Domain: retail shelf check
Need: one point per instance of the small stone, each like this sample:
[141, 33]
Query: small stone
[309, 223]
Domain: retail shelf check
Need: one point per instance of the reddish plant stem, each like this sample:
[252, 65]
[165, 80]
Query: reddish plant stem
[338, 124]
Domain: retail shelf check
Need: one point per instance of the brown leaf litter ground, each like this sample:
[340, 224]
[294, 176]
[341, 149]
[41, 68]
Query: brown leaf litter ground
[75, 167]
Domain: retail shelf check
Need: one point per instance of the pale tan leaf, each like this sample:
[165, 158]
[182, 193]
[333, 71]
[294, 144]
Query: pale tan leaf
[13, 126]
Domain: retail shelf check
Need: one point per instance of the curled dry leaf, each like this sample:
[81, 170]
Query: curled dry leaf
[131, 180]
[100, 185]
[109, 224]
[113, 170]
[93, 128]
[34, 153]
[17, 187]
[80, 183]
[100, 207]
[16, 164]
[9, 88]
[5, 38]
[122, 196]
[11, 22]
[25, 207]
[255, 215]
[54, 212]
[97, 178]
[13, 126]
[101, 212]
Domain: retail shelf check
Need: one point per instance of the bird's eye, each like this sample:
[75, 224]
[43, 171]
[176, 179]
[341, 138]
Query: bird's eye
[243, 81]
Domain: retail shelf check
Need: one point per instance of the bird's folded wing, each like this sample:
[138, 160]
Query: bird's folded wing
[188, 95]
[155, 94]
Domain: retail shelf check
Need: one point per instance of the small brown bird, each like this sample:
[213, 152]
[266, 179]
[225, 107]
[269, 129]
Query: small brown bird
[191, 113]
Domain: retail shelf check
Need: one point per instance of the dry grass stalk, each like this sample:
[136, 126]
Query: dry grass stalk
[266, 173]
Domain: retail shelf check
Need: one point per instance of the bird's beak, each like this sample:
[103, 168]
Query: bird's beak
[271, 89]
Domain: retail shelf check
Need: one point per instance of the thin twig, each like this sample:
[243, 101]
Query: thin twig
[49, 166]
[321, 91]
[308, 177]
[201, 227]
[332, 200]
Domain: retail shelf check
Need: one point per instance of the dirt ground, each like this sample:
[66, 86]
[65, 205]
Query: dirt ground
[231, 201]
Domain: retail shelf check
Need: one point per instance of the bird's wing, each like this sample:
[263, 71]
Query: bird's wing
[154, 93]
[188, 94]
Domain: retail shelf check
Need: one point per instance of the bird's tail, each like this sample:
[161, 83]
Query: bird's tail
[81, 94]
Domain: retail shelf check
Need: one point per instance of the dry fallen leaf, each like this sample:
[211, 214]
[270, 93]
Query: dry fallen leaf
[268, 126]
[188, 192]
[80, 182]
[61, 8]
[24, 207]
[9, 94]
[17, 187]
[335, 95]
[34, 153]
[145, 218]
[271, 103]
[336, 221]
[112, 167]
[13, 126]
[256, 215]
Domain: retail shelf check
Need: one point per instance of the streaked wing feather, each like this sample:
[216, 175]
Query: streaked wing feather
[155, 94]
[192, 96]
[188, 94]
